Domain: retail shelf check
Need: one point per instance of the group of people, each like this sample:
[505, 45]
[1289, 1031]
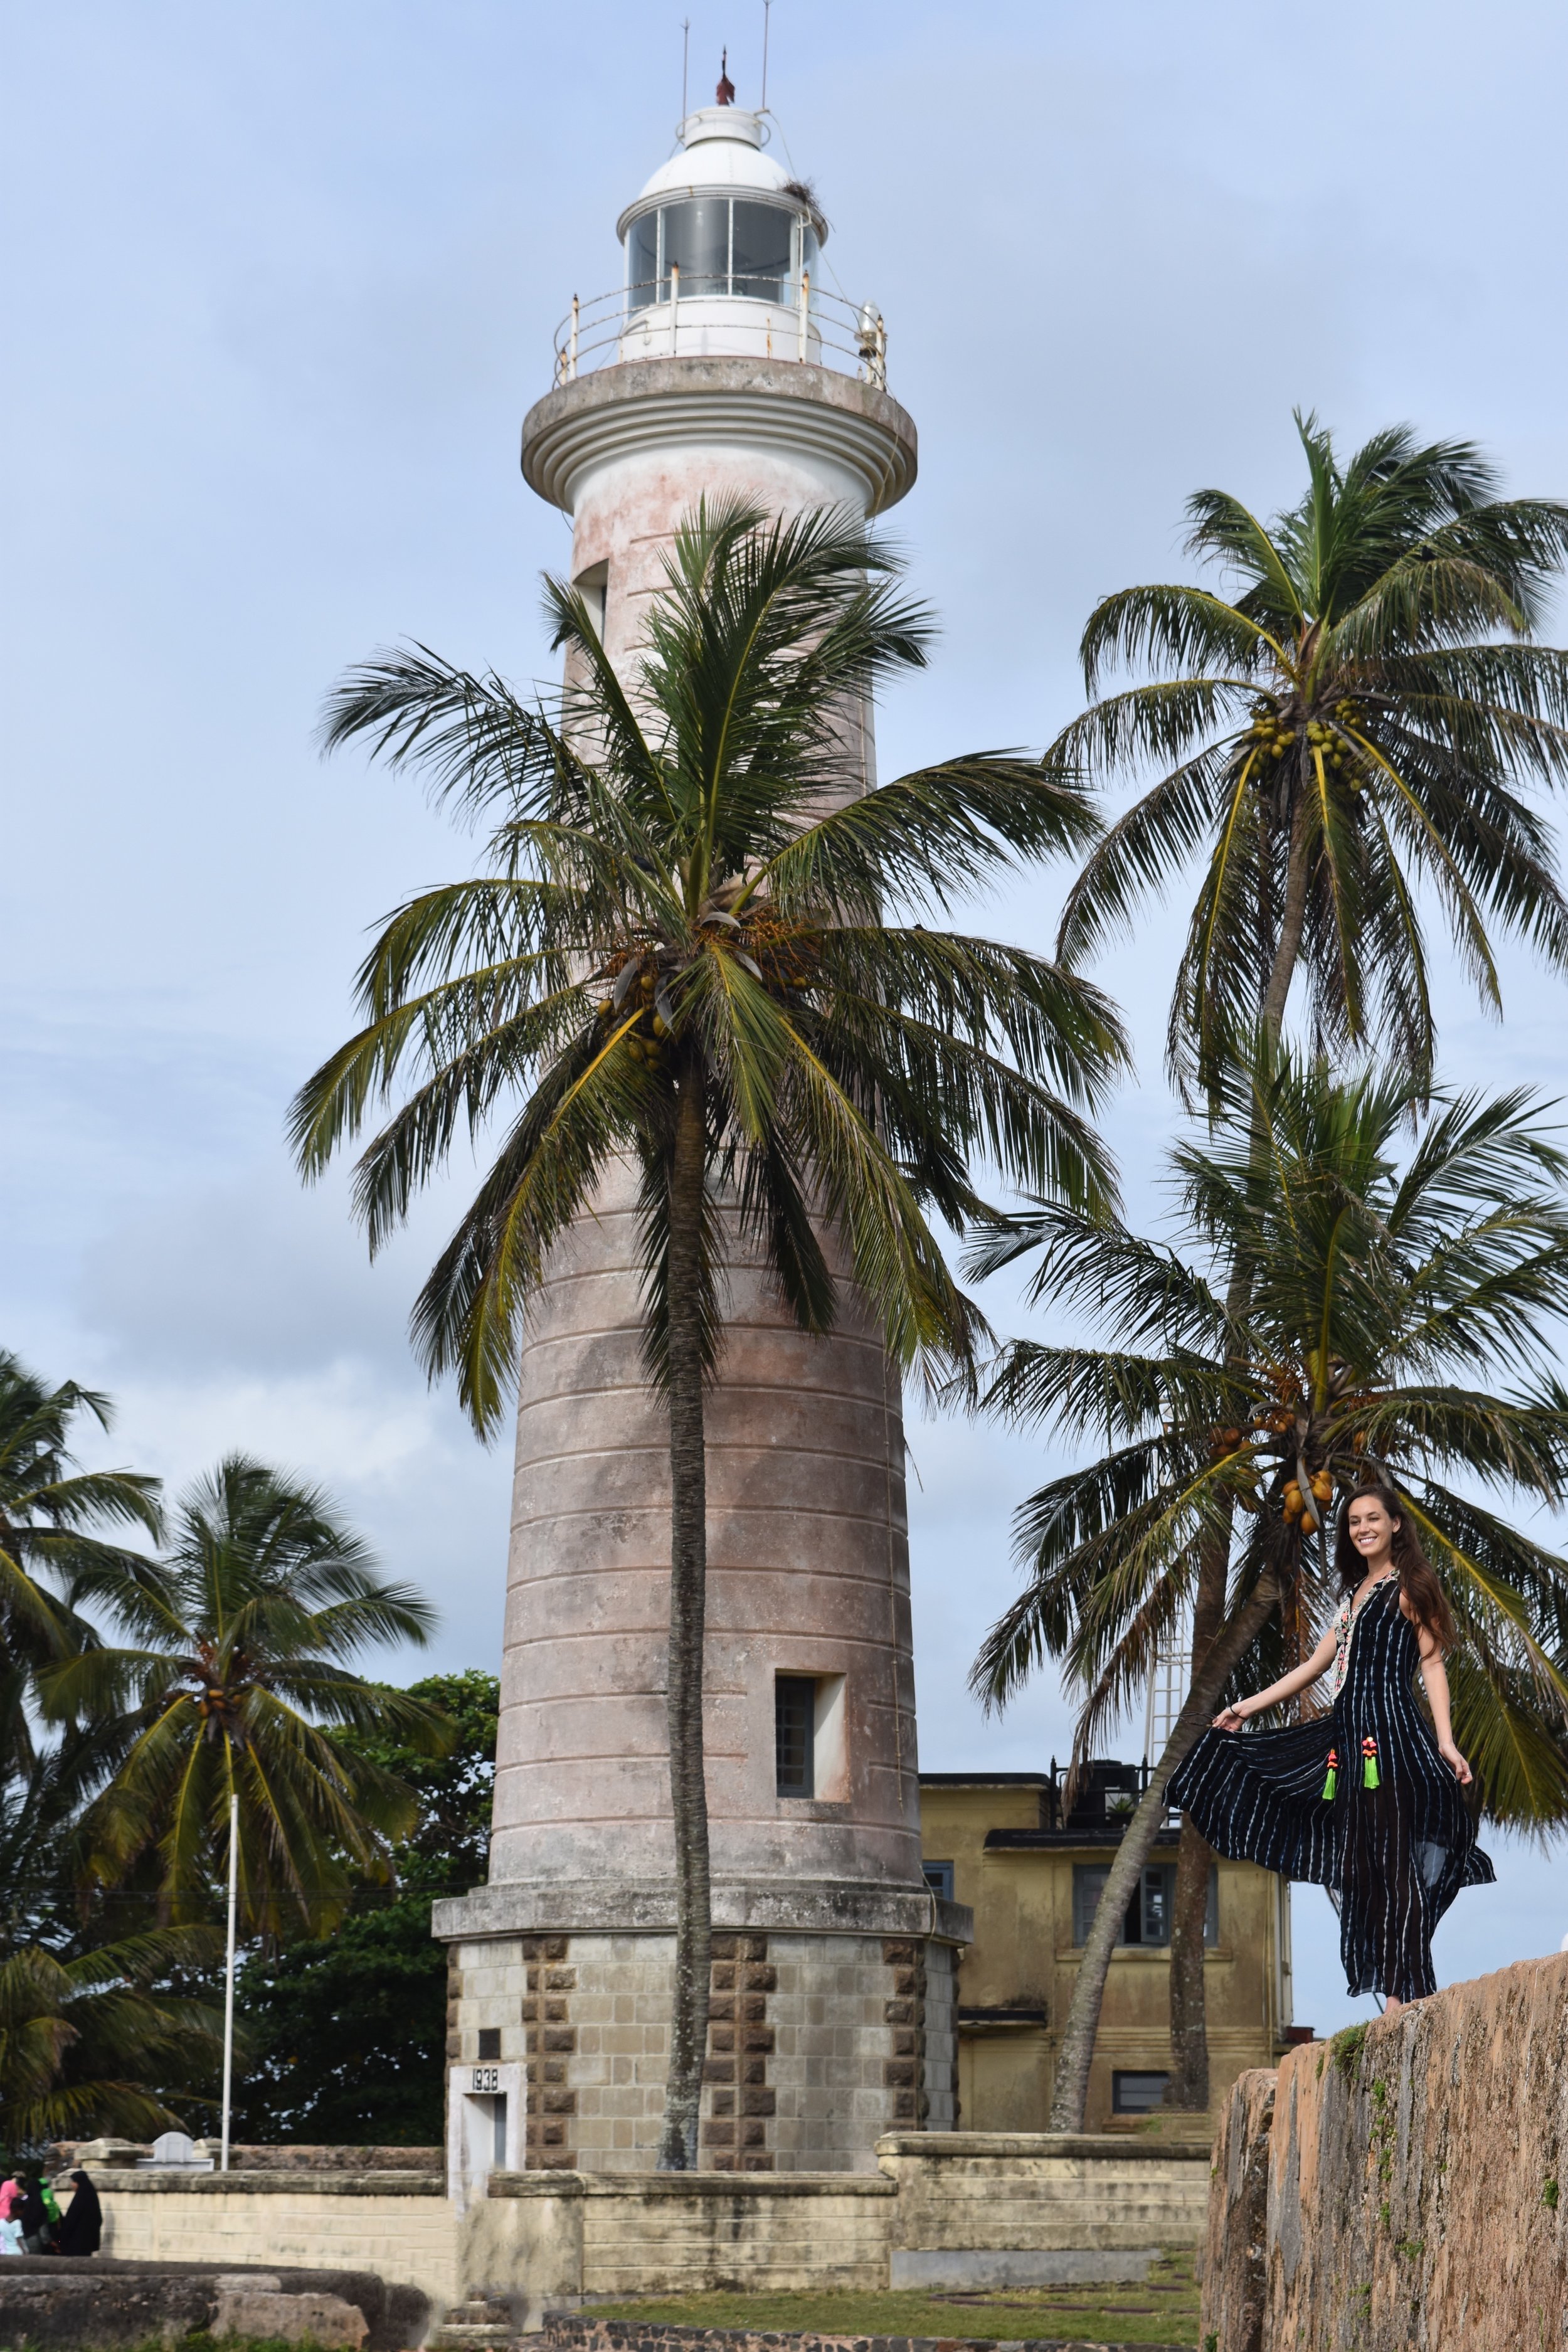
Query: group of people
[31, 2222]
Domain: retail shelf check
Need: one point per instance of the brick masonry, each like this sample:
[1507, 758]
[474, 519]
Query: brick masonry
[740, 2101]
[550, 2042]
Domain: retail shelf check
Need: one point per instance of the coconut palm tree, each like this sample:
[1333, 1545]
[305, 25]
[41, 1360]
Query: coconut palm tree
[682, 957]
[1386, 1290]
[1365, 714]
[48, 1509]
[231, 1683]
[83, 2039]
[1369, 716]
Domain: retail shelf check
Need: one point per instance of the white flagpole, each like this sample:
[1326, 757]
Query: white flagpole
[229, 1987]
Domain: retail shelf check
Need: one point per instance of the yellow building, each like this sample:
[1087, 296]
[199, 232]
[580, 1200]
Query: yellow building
[1002, 1842]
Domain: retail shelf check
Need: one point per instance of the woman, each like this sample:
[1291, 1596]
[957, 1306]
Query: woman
[10, 2227]
[81, 2230]
[34, 2216]
[1363, 1799]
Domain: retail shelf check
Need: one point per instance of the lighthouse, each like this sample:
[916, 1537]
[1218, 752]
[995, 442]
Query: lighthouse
[721, 367]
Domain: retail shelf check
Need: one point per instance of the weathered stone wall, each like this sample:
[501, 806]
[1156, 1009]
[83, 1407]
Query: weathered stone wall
[538, 2239]
[399, 2224]
[543, 2237]
[1043, 2190]
[577, 2234]
[1234, 2259]
[1414, 2182]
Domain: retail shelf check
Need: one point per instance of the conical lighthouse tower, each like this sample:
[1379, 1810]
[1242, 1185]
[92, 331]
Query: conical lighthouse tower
[719, 367]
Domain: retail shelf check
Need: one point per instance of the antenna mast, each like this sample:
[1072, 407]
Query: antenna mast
[767, 12]
[685, 64]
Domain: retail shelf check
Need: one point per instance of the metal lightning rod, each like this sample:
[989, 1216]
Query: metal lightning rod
[685, 64]
[767, 13]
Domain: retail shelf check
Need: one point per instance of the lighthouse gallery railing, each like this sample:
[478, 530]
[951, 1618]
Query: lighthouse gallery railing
[806, 323]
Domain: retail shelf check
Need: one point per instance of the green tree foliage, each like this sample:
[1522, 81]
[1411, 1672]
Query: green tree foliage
[50, 1508]
[85, 2040]
[1387, 1292]
[346, 2034]
[237, 1685]
[683, 958]
[1367, 718]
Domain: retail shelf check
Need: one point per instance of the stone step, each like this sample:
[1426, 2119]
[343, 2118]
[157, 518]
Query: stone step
[474, 2325]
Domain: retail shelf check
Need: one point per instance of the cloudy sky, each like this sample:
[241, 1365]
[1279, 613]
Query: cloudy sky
[279, 284]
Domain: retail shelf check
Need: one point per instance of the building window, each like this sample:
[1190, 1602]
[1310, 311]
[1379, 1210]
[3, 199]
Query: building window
[490, 2041]
[794, 1712]
[1148, 1919]
[1135, 2094]
[593, 587]
[938, 1878]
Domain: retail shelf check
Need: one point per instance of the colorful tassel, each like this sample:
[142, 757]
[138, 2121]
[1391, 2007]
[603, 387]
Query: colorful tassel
[1369, 1774]
[1333, 1782]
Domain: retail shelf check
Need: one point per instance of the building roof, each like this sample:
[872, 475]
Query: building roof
[720, 155]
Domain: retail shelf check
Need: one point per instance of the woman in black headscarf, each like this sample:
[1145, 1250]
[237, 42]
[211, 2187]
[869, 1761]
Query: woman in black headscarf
[34, 2217]
[81, 2230]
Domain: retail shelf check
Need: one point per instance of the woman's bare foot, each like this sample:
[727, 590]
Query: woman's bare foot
[1390, 2005]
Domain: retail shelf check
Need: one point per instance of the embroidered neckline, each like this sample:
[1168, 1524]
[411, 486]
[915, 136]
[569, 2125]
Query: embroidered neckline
[1355, 1607]
[1349, 1617]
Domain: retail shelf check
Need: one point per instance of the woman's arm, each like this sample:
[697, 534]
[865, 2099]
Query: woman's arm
[1298, 1679]
[1435, 1676]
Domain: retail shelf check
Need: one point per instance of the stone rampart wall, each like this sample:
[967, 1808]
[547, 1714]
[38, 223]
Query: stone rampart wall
[1399, 2189]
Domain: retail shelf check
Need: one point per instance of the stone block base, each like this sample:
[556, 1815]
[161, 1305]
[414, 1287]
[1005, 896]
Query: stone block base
[818, 2044]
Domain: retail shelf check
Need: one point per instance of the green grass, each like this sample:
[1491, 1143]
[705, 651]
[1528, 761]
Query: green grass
[1165, 2311]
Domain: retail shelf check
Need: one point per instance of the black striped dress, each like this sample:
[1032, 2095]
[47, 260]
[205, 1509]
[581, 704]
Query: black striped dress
[1396, 1854]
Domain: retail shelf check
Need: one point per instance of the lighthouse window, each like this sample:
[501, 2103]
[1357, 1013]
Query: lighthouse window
[760, 261]
[697, 242]
[642, 260]
[794, 1724]
[720, 247]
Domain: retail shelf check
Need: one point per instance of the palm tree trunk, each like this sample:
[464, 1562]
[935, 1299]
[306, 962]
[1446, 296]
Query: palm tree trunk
[677, 2148]
[1188, 2092]
[1293, 925]
[1189, 2086]
[1070, 2095]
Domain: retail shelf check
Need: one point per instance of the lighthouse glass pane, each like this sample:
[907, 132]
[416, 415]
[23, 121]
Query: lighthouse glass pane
[642, 261]
[697, 241]
[761, 251]
[795, 1712]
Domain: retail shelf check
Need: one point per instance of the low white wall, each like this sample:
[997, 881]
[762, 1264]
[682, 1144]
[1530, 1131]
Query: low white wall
[397, 2224]
[1043, 2190]
[540, 2238]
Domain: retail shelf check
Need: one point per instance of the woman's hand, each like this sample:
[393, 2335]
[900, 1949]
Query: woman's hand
[1232, 1719]
[1455, 1762]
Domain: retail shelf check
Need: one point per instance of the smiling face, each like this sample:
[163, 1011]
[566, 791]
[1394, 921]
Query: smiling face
[1372, 1529]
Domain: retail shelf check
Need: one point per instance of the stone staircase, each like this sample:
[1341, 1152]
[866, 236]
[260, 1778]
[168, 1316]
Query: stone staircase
[477, 2325]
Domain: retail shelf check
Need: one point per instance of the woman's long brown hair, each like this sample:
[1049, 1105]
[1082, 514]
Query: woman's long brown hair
[1428, 1601]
